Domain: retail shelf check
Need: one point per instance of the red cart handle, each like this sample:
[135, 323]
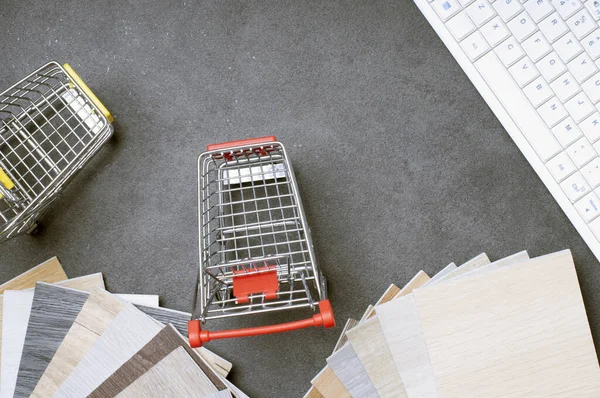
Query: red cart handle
[198, 336]
[247, 142]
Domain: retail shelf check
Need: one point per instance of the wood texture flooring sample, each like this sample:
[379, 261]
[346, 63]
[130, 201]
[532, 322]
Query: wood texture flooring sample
[329, 385]
[162, 345]
[348, 368]
[49, 271]
[371, 348]
[127, 334]
[53, 311]
[517, 331]
[17, 307]
[350, 323]
[148, 300]
[177, 375]
[312, 393]
[472, 264]
[97, 313]
[443, 272]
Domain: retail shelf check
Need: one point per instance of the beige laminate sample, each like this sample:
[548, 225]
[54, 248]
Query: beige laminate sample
[518, 331]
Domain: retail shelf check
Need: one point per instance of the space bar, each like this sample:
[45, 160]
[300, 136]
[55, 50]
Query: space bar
[518, 107]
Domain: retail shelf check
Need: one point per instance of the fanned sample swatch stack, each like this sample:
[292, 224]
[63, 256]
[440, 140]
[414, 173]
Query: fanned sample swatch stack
[71, 338]
[516, 327]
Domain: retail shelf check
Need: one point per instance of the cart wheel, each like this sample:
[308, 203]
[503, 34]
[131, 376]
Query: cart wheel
[34, 229]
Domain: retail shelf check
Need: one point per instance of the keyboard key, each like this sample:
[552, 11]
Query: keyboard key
[445, 8]
[565, 87]
[516, 104]
[536, 46]
[568, 47]
[551, 66]
[494, 31]
[579, 107]
[592, 44]
[522, 26]
[524, 71]
[507, 9]
[474, 46]
[566, 8]
[588, 207]
[538, 92]
[592, 88]
[480, 12]
[460, 26]
[561, 166]
[581, 152]
[538, 9]
[553, 27]
[591, 172]
[567, 132]
[581, 24]
[509, 51]
[575, 187]
[552, 112]
[595, 227]
[593, 6]
[465, 3]
[591, 127]
[582, 67]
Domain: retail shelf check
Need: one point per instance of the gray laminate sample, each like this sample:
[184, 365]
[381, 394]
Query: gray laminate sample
[53, 312]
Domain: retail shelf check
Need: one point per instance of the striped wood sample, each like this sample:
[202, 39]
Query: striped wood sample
[176, 375]
[329, 385]
[148, 300]
[350, 323]
[522, 330]
[17, 307]
[53, 311]
[97, 313]
[402, 328]
[348, 368]
[130, 330]
[164, 343]
[371, 348]
[312, 393]
[49, 271]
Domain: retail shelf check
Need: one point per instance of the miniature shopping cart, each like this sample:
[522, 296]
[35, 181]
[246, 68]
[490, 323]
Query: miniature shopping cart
[51, 124]
[256, 253]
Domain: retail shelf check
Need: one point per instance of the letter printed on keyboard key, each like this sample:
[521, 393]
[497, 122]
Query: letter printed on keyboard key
[592, 88]
[567, 132]
[588, 207]
[536, 46]
[552, 112]
[591, 127]
[582, 67]
[507, 8]
[551, 66]
[568, 47]
[494, 31]
[579, 107]
[538, 9]
[538, 92]
[565, 87]
[480, 12]
[553, 27]
[581, 24]
[522, 26]
[524, 71]
[509, 51]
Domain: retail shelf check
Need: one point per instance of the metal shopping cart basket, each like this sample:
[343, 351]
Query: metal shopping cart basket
[256, 253]
[51, 124]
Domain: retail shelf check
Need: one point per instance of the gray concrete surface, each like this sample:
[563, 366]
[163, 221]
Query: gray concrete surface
[400, 163]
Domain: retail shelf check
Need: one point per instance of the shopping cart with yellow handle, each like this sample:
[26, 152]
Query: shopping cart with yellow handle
[51, 124]
[256, 252]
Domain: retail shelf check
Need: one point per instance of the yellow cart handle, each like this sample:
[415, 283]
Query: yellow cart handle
[88, 92]
[6, 181]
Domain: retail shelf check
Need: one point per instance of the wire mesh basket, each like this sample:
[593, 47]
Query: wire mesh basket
[51, 124]
[256, 253]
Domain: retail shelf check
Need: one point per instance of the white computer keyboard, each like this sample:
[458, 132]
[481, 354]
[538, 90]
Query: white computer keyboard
[536, 63]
